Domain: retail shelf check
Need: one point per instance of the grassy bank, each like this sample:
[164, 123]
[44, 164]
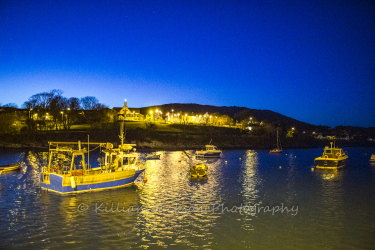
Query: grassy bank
[168, 137]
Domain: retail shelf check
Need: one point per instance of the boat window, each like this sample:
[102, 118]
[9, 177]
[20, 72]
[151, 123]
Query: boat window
[126, 161]
[328, 151]
[131, 160]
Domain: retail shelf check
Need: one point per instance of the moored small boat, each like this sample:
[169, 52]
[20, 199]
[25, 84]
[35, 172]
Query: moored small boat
[198, 171]
[11, 167]
[278, 149]
[372, 159]
[332, 158]
[211, 151]
[153, 156]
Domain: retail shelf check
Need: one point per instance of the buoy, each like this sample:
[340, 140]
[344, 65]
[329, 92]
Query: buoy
[295, 156]
[72, 182]
[240, 158]
[145, 180]
[280, 167]
[312, 169]
[225, 162]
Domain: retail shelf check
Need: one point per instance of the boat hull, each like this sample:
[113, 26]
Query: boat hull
[329, 163]
[208, 154]
[63, 184]
[153, 157]
[276, 151]
[11, 167]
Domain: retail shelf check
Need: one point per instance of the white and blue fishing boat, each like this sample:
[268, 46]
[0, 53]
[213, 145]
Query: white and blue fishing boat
[211, 151]
[68, 172]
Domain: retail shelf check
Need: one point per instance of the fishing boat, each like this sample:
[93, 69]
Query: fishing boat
[68, 172]
[198, 171]
[278, 147]
[211, 151]
[11, 167]
[332, 158]
[372, 159]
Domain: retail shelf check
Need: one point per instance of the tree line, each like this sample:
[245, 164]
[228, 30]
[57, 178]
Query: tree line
[51, 110]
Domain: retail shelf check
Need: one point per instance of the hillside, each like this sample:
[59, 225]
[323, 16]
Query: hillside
[237, 113]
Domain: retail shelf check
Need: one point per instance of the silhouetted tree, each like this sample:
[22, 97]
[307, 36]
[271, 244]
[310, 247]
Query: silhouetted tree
[10, 105]
[74, 103]
[89, 102]
[57, 107]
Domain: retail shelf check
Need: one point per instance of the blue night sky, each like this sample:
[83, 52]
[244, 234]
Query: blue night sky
[310, 60]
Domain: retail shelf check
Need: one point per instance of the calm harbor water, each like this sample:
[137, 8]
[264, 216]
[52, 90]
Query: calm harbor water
[250, 199]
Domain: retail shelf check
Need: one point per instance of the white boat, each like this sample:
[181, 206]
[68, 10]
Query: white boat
[154, 156]
[211, 151]
[278, 148]
[332, 158]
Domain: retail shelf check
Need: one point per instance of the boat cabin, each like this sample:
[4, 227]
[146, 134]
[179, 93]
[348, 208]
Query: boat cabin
[332, 152]
[211, 148]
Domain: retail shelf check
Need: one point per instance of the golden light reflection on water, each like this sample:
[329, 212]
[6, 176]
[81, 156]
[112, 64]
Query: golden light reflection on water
[250, 178]
[250, 186]
[170, 193]
[49, 220]
[331, 201]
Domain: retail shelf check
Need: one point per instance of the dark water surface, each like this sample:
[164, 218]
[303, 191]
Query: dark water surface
[250, 199]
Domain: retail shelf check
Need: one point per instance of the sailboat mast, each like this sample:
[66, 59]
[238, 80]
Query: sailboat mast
[277, 139]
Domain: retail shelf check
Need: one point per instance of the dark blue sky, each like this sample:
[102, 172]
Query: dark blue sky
[310, 60]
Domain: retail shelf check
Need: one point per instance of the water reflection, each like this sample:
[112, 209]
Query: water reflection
[176, 209]
[329, 204]
[250, 186]
[327, 201]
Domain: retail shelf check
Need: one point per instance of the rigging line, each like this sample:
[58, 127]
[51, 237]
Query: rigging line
[94, 148]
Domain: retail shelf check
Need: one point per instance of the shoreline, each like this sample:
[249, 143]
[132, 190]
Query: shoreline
[146, 146]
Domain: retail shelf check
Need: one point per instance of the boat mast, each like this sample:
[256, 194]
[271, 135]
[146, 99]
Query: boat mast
[277, 139]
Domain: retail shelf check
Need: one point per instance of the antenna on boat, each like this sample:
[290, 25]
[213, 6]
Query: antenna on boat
[121, 117]
[121, 136]
[88, 151]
